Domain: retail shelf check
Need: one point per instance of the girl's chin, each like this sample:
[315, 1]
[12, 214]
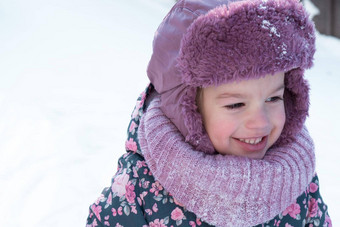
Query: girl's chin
[255, 156]
[240, 153]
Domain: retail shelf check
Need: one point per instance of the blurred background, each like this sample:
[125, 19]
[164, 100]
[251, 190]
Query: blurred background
[70, 73]
[327, 19]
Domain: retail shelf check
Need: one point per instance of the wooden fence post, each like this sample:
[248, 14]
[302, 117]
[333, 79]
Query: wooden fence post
[336, 18]
[323, 21]
[328, 21]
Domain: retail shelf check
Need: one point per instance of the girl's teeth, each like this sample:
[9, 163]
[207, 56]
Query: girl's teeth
[259, 140]
[251, 141]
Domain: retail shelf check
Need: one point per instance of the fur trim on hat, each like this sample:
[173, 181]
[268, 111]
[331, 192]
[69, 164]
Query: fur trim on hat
[248, 40]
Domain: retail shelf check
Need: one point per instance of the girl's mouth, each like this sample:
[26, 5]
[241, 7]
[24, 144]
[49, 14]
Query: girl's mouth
[253, 144]
[252, 141]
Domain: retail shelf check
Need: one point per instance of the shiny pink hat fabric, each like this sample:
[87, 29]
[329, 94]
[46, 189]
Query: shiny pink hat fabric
[211, 42]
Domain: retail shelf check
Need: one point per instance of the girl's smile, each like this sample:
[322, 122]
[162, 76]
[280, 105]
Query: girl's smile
[254, 144]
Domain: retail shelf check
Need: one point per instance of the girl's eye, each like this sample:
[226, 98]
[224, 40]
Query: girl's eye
[274, 99]
[234, 106]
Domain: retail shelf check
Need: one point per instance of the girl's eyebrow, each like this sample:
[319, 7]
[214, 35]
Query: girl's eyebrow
[230, 95]
[282, 86]
[238, 95]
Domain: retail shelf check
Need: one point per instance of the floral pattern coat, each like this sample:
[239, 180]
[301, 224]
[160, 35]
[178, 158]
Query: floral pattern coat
[136, 199]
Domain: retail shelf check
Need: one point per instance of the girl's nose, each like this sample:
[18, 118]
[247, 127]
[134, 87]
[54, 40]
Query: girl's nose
[258, 119]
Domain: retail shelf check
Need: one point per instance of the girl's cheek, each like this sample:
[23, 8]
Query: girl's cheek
[281, 117]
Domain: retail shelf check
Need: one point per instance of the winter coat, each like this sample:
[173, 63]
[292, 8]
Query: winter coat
[135, 198]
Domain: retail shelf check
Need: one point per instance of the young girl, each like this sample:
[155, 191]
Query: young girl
[217, 138]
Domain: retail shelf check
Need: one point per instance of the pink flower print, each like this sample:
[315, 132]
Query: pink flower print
[146, 184]
[288, 225]
[155, 208]
[130, 193]
[148, 211]
[120, 210]
[292, 210]
[109, 199]
[133, 209]
[141, 102]
[198, 221]
[157, 223]
[140, 164]
[119, 184]
[94, 223]
[177, 214]
[139, 201]
[133, 125]
[145, 171]
[156, 187]
[277, 223]
[114, 212]
[135, 111]
[118, 225]
[96, 210]
[328, 221]
[313, 187]
[192, 224]
[142, 195]
[312, 207]
[131, 145]
[135, 173]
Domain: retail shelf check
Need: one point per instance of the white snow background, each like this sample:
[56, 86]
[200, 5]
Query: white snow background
[70, 72]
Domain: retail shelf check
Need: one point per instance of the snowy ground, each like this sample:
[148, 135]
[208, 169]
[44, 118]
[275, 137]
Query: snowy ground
[70, 72]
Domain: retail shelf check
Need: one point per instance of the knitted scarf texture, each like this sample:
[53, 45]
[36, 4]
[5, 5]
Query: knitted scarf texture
[225, 190]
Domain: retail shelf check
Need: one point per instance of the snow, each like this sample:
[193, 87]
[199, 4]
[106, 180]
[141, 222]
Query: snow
[70, 72]
[267, 25]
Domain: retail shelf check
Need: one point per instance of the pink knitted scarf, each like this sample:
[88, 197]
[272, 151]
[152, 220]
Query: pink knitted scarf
[225, 190]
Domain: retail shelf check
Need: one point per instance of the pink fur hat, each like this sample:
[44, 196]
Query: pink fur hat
[211, 42]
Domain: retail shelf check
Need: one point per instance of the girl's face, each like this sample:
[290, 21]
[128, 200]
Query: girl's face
[244, 118]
